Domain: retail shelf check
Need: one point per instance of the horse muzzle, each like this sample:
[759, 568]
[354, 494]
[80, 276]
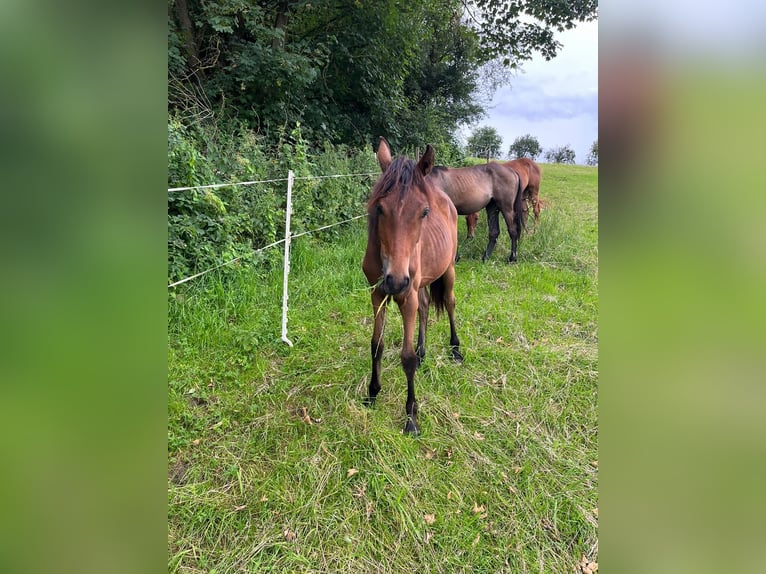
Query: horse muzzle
[393, 286]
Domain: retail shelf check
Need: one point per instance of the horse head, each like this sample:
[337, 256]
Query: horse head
[397, 208]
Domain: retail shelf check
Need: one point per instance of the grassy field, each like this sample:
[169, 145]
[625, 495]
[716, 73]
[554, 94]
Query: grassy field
[274, 464]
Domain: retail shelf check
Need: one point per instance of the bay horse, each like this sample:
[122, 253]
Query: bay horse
[529, 172]
[411, 248]
[471, 221]
[492, 187]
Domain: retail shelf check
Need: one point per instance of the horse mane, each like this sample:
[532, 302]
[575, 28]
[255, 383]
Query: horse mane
[401, 174]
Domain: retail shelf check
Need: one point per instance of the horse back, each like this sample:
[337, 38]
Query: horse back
[469, 188]
[528, 170]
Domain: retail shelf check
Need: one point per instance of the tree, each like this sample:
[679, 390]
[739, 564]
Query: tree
[514, 29]
[411, 75]
[485, 142]
[592, 158]
[351, 71]
[525, 146]
[563, 154]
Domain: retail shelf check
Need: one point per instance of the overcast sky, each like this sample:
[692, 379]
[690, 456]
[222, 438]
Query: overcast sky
[555, 101]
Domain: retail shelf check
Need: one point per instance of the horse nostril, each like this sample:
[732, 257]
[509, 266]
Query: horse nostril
[392, 286]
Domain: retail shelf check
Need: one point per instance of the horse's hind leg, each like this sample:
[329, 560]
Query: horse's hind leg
[424, 300]
[376, 344]
[514, 230]
[493, 224]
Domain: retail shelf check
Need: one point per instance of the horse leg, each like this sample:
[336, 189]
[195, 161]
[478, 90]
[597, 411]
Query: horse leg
[471, 221]
[493, 224]
[514, 230]
[409, 308]
[424, 300]
[449, 296]
[376, 344]
[526, 205]
[536, 203]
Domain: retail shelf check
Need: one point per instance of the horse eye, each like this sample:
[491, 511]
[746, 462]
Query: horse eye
[379, 209]
[425, 212]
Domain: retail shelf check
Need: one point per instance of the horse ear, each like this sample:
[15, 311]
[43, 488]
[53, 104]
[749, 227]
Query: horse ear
[426, 162]
[384, 154]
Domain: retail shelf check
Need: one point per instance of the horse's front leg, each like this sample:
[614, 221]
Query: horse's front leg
[424, 300]
[535, 203]
[449, 294]
[471, 221]
[409, 308]
[379, 302]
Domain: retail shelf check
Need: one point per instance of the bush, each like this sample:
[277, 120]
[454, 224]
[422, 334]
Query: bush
[207, 227]
[525, 146]
[563, 154]
[592, 158]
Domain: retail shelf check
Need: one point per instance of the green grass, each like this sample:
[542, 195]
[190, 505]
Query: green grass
[504, 475]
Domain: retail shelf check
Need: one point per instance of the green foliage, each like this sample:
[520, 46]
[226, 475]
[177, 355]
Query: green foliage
[485, 142]
[525, 146]
[201, 231]
[505, 34]
[348, 71]
[561, 154]
[592, 158]
[208, 227]
[351, 71]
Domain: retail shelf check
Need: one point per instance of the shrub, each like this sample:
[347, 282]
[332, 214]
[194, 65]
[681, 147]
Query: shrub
[207, 227]
[563, 154]
[525, 146]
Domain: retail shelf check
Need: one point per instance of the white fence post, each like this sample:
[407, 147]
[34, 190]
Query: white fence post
[288, 209]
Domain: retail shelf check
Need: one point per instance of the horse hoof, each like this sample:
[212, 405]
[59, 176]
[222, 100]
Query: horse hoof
[411, 428]
[457, 356]
[369, 402]
[512, 259]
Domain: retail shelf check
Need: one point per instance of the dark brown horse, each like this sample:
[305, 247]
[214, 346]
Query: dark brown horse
[529, 172]
[489, 186]
[411, 245]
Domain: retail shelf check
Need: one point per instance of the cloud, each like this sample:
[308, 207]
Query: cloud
[556, 101]
[535, 105]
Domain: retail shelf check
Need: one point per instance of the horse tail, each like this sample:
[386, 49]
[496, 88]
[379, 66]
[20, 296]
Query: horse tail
[438, 296]
[518, 205]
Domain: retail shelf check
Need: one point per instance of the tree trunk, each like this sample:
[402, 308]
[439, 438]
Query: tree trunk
[187, 30]
[280, 23]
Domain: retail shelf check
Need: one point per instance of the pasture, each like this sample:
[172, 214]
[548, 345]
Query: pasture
[275, 465]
